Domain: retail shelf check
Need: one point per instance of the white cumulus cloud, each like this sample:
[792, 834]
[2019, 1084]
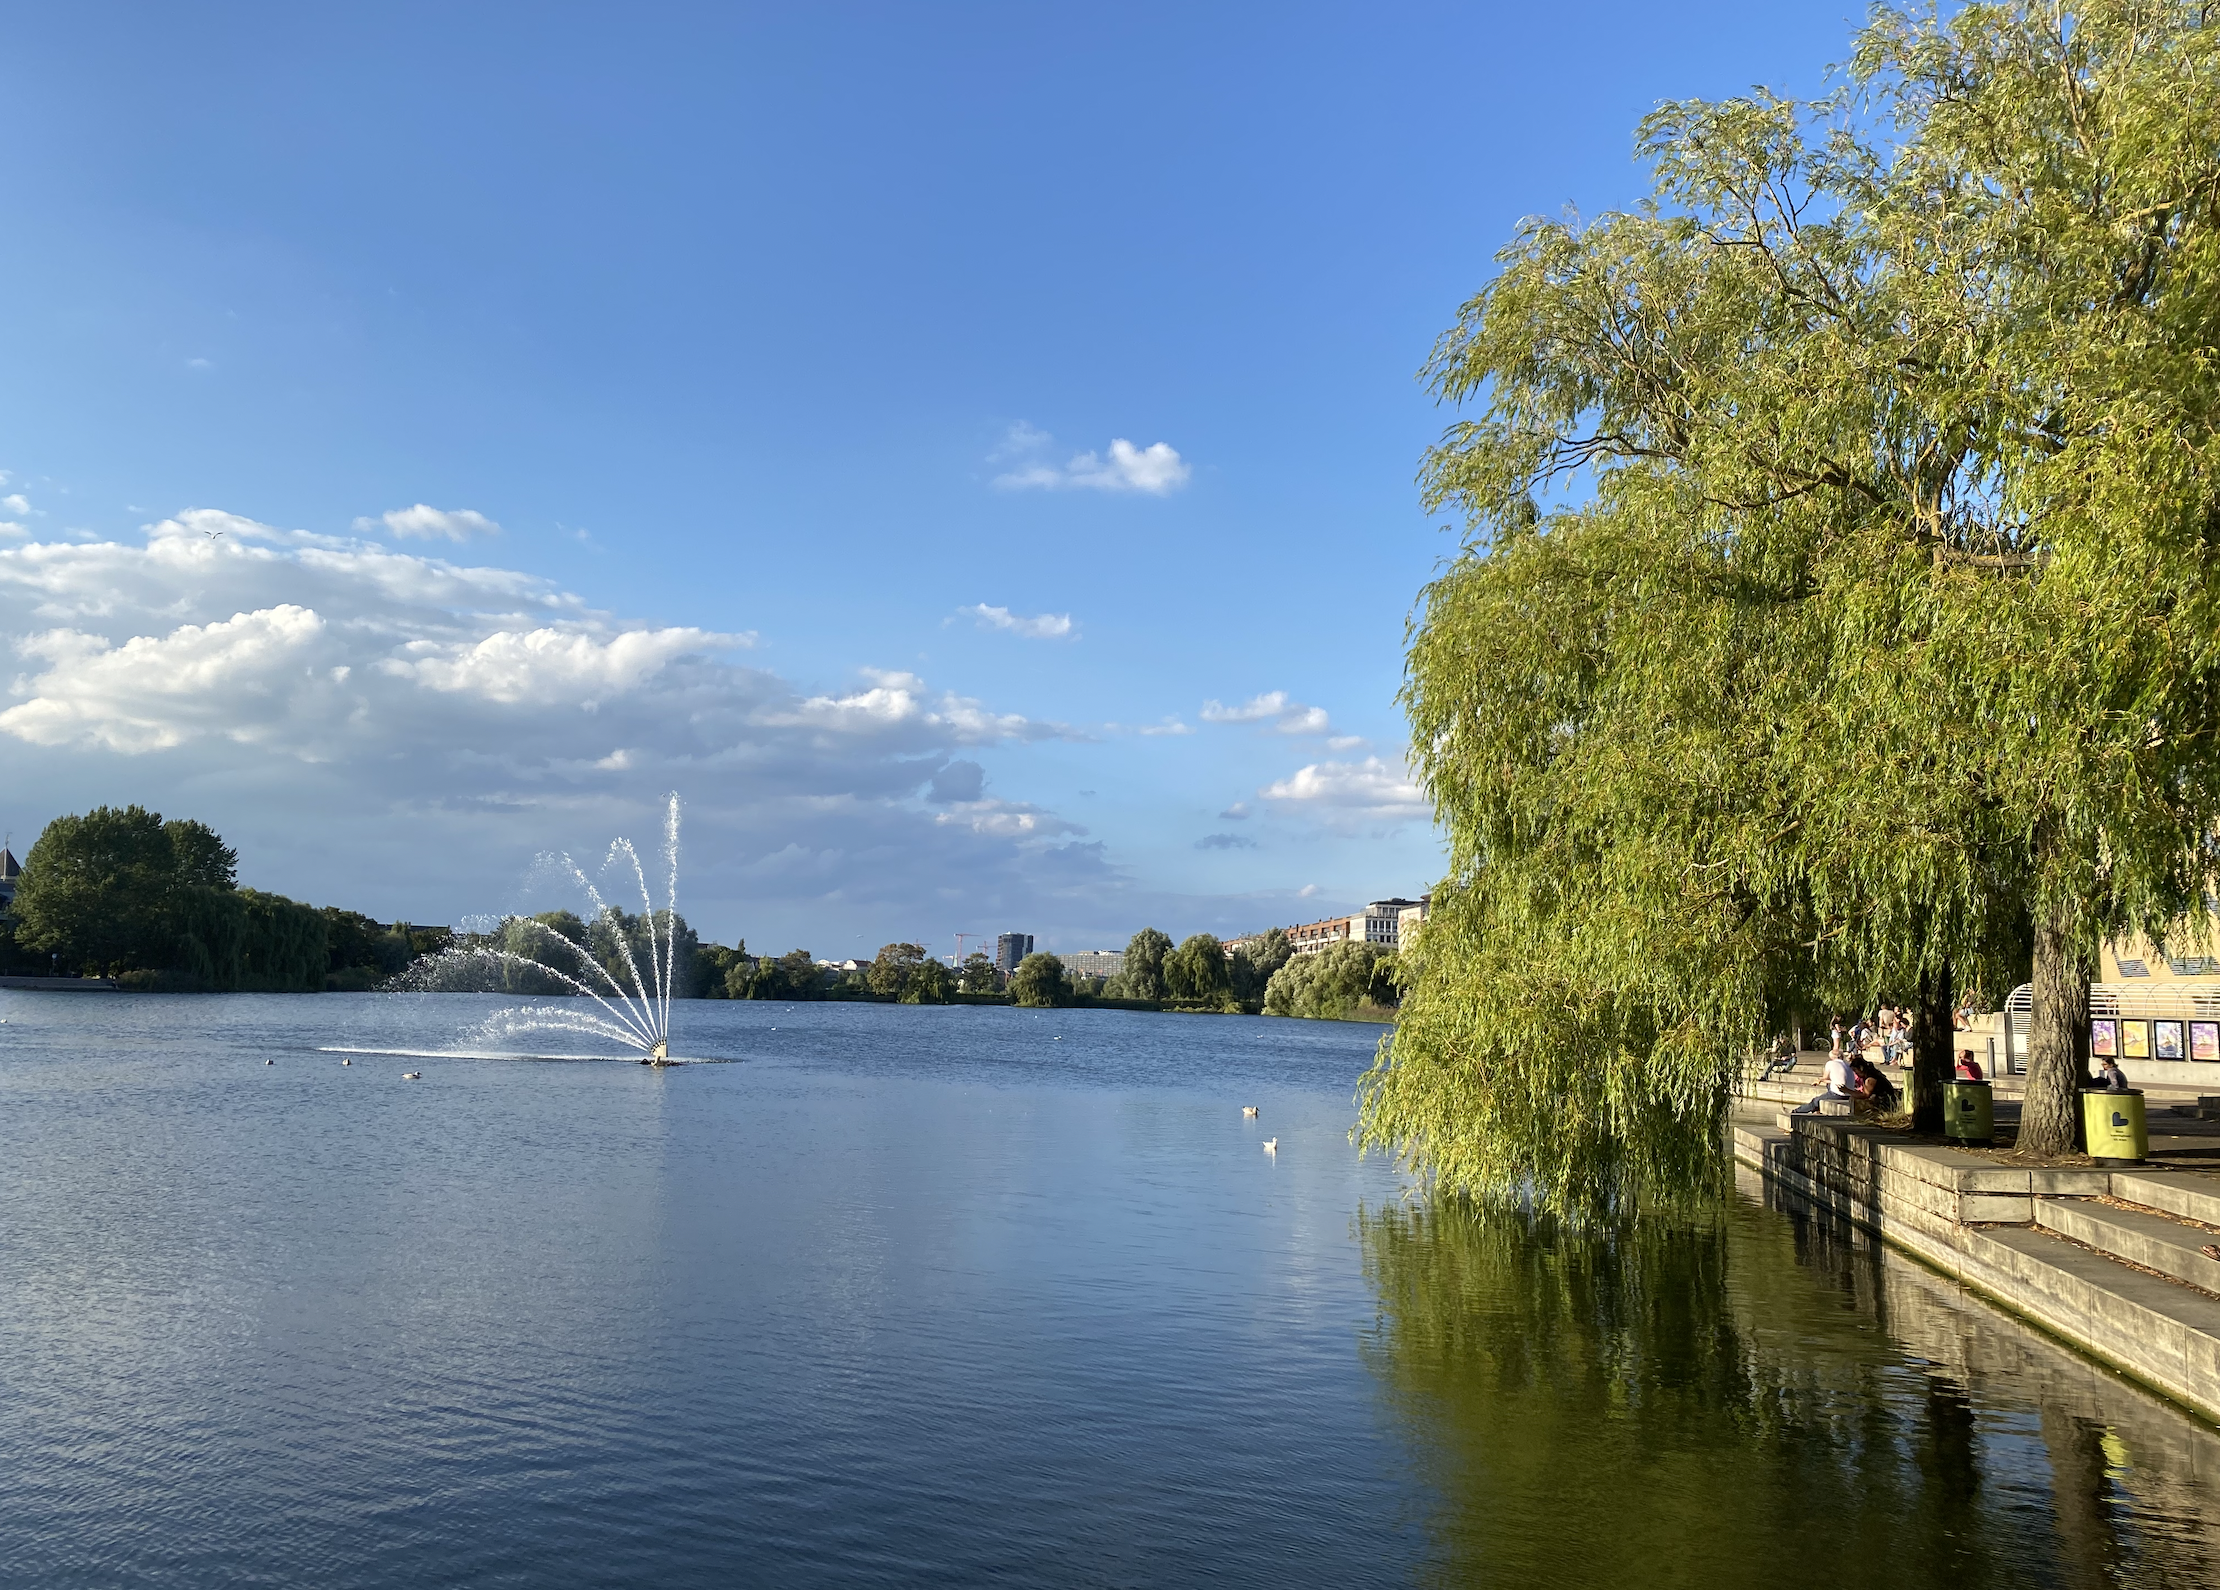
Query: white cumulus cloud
[551, 665]
[1370, 788]
[1156, 469]
[424, 522]
[1042, 626]
[239, 678]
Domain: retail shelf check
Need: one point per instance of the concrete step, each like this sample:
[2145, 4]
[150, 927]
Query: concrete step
[2154, 1241]
[2187, 1193]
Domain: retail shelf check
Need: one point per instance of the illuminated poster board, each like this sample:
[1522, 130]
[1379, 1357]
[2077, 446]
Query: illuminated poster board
[2166, 1041]
[2204, 1040]
[2135, 1039]
[2104, 1038]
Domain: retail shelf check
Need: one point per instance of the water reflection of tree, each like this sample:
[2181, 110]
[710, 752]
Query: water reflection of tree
[1606, 1408]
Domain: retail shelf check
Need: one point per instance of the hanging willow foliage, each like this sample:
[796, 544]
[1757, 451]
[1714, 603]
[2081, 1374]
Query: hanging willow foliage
[1878, 630]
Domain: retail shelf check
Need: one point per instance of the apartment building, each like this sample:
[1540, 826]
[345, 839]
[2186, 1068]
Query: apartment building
[1093, 963]
[1379, 923]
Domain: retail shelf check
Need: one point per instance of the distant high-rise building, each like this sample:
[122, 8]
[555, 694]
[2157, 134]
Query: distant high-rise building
[1009, 949]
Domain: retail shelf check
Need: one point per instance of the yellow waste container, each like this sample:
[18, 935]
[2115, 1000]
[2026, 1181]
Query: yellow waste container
[1969, 1112]
[2118, 1134]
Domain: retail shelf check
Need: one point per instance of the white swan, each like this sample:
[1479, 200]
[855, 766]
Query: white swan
[1249, 1110]
[1271, 1145]
[412, 1076]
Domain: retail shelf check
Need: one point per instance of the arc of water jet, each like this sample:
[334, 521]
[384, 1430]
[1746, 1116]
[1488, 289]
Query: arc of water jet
[646, 1000]
[643, 1038]
[670, 898]
[532, 1018]
[633, 1018]
[638, 1017]
[624, 940]
[656, 968]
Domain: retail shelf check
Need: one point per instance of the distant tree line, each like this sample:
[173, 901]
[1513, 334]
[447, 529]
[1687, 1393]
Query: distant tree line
[120, 892]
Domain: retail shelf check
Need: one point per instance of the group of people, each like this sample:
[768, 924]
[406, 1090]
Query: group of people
[1849, 1077]
[1853, 1079]
[1890, 1030]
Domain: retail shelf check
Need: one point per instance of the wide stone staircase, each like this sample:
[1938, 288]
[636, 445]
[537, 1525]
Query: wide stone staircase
[2113, 1261]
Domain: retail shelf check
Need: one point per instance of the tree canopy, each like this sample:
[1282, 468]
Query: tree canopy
[1839, 609]
[1039, 981]
[1336, 983]
[891, 968]
[120, 891]
[1256, 960]
[1141, 972]
[1197, 969]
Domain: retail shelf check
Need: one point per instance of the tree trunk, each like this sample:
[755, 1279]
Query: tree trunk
[1931, 1058]
[2057, 1044]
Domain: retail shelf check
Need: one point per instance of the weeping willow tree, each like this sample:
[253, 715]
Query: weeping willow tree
[1870, 630]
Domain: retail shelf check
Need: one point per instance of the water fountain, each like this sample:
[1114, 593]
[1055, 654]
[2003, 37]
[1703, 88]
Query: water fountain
[639, 1016]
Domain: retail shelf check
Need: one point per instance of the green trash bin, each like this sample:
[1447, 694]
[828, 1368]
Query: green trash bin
[2118, 1133]
[1969, 1112]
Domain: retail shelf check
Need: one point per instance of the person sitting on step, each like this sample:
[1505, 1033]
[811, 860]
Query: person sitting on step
[1841, 1085]
[1969, 1069]
[1875, 1093]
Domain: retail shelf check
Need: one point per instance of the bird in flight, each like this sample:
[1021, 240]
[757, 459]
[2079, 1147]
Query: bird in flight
[211, 534]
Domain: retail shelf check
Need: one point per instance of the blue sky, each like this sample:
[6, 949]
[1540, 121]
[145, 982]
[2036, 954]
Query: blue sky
[761, 373]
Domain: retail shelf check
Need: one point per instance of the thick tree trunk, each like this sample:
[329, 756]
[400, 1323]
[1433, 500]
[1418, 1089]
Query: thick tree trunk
[1931, 1057]
[2057, 1044]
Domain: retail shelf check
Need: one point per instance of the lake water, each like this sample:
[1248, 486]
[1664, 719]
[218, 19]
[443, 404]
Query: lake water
[952, 1296]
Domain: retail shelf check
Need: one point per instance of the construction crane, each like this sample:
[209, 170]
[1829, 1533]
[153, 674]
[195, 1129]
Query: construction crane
[982, 937]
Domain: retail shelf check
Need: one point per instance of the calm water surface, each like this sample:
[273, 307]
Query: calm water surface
[952, 1296]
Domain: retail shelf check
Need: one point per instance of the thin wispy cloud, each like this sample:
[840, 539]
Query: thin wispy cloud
[1225, 842]
[426, 523]
[1041, 626]
[1281, 714]
[1156, 470]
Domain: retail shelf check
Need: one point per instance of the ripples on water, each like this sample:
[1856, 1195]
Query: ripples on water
[951, 1296]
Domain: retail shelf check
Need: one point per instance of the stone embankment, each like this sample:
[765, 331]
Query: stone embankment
[2113, 1261]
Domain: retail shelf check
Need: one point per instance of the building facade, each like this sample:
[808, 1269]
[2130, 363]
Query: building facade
[1379, 923]
[1094, 963]
[1009, 949]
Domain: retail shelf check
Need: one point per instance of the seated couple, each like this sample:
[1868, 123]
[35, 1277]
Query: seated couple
[1857, 1082]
